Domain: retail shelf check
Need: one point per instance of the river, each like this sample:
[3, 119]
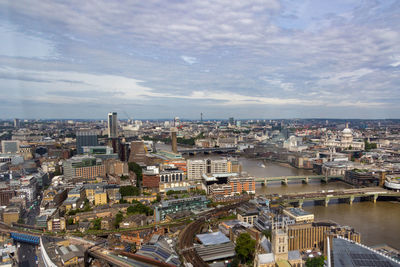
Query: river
[378, 223]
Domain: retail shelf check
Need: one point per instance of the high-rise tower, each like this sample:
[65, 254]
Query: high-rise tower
[173, 140]
[112, 125]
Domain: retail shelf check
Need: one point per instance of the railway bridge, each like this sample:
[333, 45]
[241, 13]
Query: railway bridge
[347, 195]
[207, 150]
[303, 178]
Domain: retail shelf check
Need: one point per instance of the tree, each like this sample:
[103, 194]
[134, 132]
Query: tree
[134, 167]
[139, 208]
[267, 233]
[70, 221]
[129, 190]
[124, 177]
[118, 219]
[96, 224]
[315, 262]
[245, 248]
[369, 146]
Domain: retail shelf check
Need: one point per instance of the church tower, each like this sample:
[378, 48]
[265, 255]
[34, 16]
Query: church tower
[280, 244]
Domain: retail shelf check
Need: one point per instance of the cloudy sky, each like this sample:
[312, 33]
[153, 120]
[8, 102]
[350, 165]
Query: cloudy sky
[161, 59]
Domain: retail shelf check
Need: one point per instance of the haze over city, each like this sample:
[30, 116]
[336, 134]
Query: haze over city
[160, 59]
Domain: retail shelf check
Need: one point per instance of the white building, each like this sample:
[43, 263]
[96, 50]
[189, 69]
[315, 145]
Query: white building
[196, 168]
[345, 142]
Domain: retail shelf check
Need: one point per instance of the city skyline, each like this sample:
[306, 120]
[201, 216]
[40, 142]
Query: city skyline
[273, 59]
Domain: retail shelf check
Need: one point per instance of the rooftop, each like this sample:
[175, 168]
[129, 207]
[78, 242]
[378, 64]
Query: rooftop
[347, 253]
[212, 238]
[298, 212]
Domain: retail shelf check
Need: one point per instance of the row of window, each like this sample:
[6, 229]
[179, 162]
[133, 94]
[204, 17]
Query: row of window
[171, 177]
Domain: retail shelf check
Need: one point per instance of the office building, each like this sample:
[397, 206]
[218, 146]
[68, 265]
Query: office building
[84, 167]
[151, 178]
[112, 125]
[10, 146]
[306, 236]
[17, 123]
[247, 213]
[196, 168]
[85, 138]
[299, 215]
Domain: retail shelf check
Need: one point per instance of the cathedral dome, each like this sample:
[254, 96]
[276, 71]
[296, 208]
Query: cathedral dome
[346, 131]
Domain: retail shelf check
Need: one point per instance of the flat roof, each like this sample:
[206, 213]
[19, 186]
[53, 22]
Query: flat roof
[347, 253]
[216, 252]
[298, 212]
[266, 258]
[213, 238]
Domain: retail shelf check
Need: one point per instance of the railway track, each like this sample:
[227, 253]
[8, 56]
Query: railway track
[187, 235]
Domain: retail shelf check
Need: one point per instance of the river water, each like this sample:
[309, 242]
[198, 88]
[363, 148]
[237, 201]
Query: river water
[378, 223]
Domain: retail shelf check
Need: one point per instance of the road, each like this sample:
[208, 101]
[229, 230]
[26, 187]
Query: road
[27, 252]
[26, 255]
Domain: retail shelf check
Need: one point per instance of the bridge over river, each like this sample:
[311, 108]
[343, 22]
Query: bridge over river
[348, 195]
[303, 178]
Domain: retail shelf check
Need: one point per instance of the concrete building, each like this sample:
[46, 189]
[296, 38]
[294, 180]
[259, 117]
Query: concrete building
[11, 215]
[299, 215]
[86, 167]
[174, 142]
[196, 168]
[307, 236]
[56, 223]
[85, 138]
[247, 213]
[112, 125]
[116, 167]
[100, 197]
[10, 146]
[17, 123]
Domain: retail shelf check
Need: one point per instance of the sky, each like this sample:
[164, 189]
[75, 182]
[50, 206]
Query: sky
[163, 59]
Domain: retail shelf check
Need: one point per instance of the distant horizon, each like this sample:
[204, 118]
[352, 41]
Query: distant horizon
[188, 119]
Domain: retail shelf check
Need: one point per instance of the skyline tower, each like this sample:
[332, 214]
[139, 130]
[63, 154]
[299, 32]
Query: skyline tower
[112, 125]
[174, 142]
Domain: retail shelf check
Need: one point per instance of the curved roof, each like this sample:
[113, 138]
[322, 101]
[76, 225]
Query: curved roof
[346, 131]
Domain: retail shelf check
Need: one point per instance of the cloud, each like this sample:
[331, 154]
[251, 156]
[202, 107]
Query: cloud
[266, 54]
[189, 60]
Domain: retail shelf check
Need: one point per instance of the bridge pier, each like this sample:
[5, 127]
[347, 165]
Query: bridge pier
[285, 181]
[300, 203]
[305, 181]
[351, 199]
[374, 197]
[326, 201]
[265, 181]
[325, 179]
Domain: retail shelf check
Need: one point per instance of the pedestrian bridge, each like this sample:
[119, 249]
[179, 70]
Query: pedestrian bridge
[25, 238]
[303, 178]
